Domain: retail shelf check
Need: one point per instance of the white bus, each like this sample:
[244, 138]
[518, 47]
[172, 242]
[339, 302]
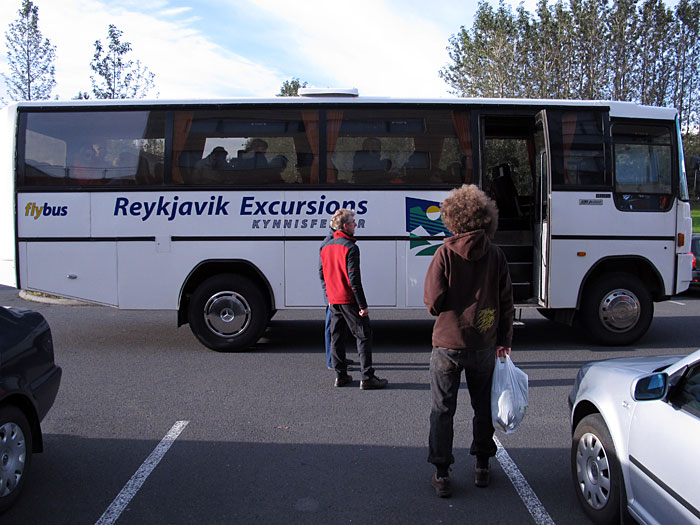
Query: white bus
[216, 209]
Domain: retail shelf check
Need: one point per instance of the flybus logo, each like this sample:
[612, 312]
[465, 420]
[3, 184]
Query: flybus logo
[32, 209]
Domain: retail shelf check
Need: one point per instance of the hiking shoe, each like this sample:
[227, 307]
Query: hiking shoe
[442, 486]
[481, 476]
[373, 383]
[343, 380]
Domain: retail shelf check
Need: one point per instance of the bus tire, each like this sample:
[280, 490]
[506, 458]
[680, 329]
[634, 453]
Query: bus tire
[227, 313]
[617, 309]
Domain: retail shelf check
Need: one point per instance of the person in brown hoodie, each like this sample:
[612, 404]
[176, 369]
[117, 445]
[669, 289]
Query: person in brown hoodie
[468, 289]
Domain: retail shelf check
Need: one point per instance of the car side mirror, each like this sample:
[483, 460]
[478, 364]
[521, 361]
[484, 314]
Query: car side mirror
[652, 387]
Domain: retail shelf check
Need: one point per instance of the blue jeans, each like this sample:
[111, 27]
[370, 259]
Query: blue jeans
[446, 367]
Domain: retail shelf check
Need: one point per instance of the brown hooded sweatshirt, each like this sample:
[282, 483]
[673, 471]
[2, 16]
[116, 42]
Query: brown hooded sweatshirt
[468, 288]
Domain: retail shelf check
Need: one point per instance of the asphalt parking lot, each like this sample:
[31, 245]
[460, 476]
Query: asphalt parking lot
[151, 427]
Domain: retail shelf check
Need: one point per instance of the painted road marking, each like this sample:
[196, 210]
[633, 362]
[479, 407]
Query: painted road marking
[676, 302]
[530, 499]
[134, 484]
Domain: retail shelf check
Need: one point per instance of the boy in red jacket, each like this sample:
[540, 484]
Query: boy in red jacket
[468, 288]
[340, 275]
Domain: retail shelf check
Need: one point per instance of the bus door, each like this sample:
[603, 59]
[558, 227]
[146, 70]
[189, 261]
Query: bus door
[542, 199]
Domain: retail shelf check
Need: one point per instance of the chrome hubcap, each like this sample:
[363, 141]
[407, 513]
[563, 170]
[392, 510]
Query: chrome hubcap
[227, 314]
[593, 471]
[12, 457]
[619, 310]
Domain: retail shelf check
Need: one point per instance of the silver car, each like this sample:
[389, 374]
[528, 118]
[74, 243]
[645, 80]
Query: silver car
[635, 447]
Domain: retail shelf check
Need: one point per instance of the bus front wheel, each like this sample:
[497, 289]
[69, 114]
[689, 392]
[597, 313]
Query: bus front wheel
[617, 309]
[227, 313]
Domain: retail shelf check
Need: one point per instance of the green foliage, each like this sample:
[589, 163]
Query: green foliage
[30, 57]
[116, 76]
[632, 50]
[290, 88]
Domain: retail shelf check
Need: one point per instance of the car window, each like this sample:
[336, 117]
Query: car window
[687, 395]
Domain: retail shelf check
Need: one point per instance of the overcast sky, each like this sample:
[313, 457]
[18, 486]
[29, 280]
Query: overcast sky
[243, 48]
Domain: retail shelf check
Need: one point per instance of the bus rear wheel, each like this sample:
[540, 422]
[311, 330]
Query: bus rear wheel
[617, 309]
[227, 313]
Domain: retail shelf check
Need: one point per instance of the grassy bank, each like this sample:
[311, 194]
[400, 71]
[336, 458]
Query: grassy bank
[695, 213]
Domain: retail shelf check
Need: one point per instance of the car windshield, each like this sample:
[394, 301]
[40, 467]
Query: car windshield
[695, 245]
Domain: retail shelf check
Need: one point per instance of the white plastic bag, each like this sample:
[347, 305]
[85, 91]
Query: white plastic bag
[508, 395]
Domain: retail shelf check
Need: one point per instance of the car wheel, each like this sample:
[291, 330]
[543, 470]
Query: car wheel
[15, 454]
[227, 313]
[617, 309]
[596, 470]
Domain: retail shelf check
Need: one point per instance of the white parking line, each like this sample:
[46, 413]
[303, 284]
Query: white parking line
[530, 499]
[134, 484]
[676, 302]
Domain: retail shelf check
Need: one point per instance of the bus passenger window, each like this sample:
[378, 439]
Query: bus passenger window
[385, 147]
[245, 147]
[113, 148]
[643, 167]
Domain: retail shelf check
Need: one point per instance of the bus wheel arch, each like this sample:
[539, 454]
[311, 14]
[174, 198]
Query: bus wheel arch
[616, 307]
[228, 305]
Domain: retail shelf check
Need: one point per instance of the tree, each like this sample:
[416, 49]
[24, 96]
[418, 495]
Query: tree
[588, 38]
[30, 57]
[118, 77]
[485, 56]
[290, 88]
[657, 34]
[686, 95]
[623, 28]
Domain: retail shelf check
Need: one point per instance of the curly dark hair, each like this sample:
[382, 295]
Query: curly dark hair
[467, 209]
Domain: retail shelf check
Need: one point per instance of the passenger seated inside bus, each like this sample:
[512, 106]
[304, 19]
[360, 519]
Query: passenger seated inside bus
[367, 164]
[369, 158]
[216, 160]
[416, 169]
[252, 157]
[88, 166]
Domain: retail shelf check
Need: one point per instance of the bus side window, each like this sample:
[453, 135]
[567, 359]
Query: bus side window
[578, 151]
[386, 147]
[236, 147]
[643, 167]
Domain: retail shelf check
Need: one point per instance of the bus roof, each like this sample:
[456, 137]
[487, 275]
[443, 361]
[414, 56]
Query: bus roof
[617, 109]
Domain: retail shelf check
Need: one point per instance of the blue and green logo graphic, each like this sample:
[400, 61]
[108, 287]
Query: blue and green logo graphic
[423, 220]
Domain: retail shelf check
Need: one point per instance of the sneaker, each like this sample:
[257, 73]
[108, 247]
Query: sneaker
[481, 476]
[442, 486]
[373, 383]
[343, 380]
